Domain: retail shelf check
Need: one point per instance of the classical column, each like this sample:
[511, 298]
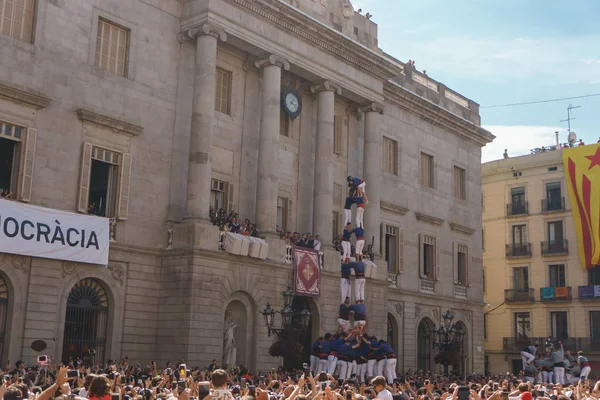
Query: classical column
[323, 195]
[372, 172]
[268, 145]
[203, 115]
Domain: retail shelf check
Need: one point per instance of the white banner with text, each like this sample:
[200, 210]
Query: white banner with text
[43, 232]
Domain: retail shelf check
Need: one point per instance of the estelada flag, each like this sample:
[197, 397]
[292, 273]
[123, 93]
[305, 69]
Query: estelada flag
[582, 171]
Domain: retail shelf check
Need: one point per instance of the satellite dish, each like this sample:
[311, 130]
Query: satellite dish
[38, 345]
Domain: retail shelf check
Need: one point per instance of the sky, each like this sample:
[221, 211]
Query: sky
[500, 52]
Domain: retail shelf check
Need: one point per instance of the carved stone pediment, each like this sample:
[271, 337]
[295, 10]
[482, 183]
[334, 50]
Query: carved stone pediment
[461, 228]
[429, 219]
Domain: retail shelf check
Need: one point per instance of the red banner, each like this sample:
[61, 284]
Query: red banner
[307, 272]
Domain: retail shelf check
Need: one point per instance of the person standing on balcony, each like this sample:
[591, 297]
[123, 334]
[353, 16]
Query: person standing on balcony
[528, 354]
[558, 357]
[584, 364]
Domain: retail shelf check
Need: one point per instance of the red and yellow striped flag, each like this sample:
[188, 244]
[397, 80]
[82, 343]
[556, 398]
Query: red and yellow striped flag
[582, 171]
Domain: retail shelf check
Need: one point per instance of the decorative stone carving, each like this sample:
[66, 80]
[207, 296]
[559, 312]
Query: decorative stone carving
[348, 9]
[326, 86]
[68, 268]
[429, 219]
[436, 313]
[461, 228]
[417, 311]
[118, 271]
[112, 224]
[109, 122]
[20, 262]
[202, 30]
[468, 316]
[399, 308]
[393, 208]
[273, 60]
[373, 107]
[169, 238]
[24, 96]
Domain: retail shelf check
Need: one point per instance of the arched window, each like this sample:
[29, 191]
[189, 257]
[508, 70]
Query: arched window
[3, 314]
[86, 322]
[424, 345]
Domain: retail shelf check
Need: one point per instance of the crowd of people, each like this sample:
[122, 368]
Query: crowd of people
[230, 222]
[121, 381]
[301, 240]
[553, 365]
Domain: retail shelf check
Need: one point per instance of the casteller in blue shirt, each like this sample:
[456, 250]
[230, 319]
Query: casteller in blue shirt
[360, 312]
[346, 269]
[359, 233]
[359, 269]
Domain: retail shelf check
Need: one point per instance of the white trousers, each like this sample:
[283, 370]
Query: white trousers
[390, 370]
[331, 364]
[360, 244]
[360, 213]
[347, 247]
[344, 324]
[313, 364]
[321, 366]
[359, 289]
[342, 368]
[363, 187]
[348, 217]
[559, 375]
[352, 367]
[346, 287]
[380, 367]
[547, 377]
[371, 365]
[585, 371]
[362, 371]
[527, 358]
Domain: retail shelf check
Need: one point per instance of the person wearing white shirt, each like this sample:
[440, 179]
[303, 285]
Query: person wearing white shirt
[379, 384]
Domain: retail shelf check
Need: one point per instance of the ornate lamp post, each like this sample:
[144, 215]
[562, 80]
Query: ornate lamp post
[287, 316]
[448, 339]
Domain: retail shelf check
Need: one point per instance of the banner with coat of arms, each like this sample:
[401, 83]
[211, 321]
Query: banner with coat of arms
[307, 272]
[582, 171]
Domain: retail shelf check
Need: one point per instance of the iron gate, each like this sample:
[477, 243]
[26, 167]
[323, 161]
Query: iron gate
[424, 346]
[86, 322]
[3, 314]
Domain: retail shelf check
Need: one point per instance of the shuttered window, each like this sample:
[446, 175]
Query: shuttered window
[111, 48]
[393, 248]
[223, 92]
[336, 222]
[389, 154]
[282, 213]
[16, 19]
[338, 125]
[17, 161]
[105, 179]
[460, 184]
[427, 170]
[461, 264]
[429, 254]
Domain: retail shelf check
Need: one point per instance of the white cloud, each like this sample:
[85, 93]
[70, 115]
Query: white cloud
[518, 140]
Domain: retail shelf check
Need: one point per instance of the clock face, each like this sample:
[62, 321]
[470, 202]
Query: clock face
[292, 103]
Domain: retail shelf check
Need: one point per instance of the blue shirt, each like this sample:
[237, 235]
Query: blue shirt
[337, 342]
[360, 312]
[359, 232]
[359, 270]
[346, 271]
[356, 181]
[326, 346]
[316, 348]
[344, 313]
[386, 349]
[346, 235]
[345, 351]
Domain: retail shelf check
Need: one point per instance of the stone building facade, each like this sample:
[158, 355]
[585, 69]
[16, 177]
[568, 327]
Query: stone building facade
[146, 111]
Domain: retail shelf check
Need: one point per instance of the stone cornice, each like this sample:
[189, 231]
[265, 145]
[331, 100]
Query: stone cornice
[461, 228]
[429, 219]
[393, 208]
[435, 114]
[273, 60]
[109, 122]
[24, 96]
[300, 24]
[326, 86]
[204, 29]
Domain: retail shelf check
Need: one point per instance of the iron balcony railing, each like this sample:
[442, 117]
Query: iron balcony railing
[586, 344]
[516, 209]
[519, 295]
[556, 294]
[589, 293]
[555, 247]
[516, 250]
[550, 205]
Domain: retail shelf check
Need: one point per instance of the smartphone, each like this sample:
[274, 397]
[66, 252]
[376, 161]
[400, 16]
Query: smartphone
[182, 369]
[42, 360]
[463, 393]
[181, 385]
[505, 395]
[323, 386]
[495, 387]
[115, 396]
[251, 390]
[305, 366]
[340, 382]
[73, 373]
[243, 383]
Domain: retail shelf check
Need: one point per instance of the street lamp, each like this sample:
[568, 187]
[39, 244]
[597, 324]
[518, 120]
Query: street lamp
[287, 316]
[448, 338]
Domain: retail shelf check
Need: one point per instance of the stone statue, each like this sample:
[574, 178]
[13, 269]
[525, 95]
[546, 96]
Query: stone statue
[229, 349]
[348, 8]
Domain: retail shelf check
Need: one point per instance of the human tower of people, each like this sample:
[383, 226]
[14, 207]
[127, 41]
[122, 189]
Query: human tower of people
[351, 352]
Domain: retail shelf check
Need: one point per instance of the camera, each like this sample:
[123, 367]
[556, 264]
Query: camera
[42, 360]
[92, 352]
[73, 373]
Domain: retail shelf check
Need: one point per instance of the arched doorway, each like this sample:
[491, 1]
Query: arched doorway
[424, 344]
[306, 337]
[3, 314]
[463, 349]
[86, 322]
[392, 332]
